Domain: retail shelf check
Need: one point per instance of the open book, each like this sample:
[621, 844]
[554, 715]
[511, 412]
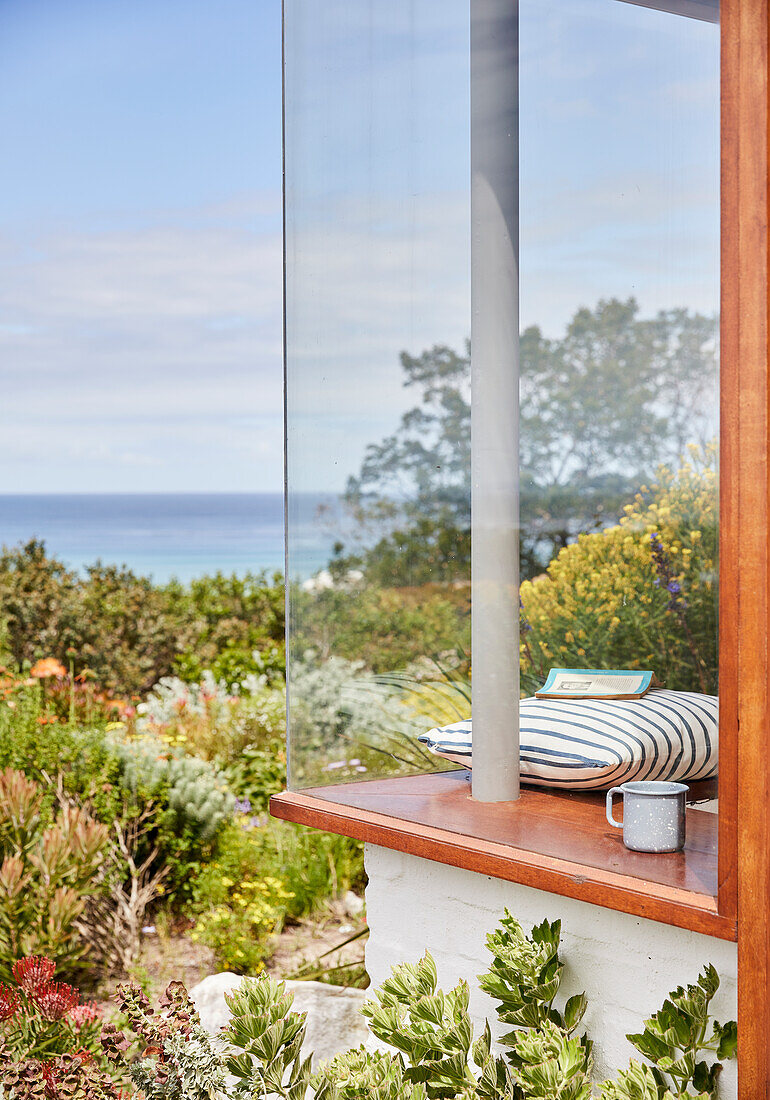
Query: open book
[586, 683]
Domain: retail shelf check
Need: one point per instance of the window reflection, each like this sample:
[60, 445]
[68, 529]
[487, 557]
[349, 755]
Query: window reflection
[619, 295]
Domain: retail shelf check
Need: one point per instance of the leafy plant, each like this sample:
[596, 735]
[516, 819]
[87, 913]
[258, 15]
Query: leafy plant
[524, 979]
[639, 594]
[363, 1075]
[431, 1029]
[49, 866]
[74, 1076]
[40, 1017]
[131, 632]
[265, 872]
[384, 627]
[240, 727]
[266, 1037]
[178, 1060]
[433, 1053]
[346, 723]
[675, 1037]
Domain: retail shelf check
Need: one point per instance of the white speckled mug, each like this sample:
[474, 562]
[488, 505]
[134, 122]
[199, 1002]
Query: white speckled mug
[653, 815]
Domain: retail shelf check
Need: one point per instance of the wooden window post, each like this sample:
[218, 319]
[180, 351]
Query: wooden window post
[746, 523]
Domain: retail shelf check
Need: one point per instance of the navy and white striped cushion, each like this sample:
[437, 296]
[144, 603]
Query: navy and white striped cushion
[581, 744]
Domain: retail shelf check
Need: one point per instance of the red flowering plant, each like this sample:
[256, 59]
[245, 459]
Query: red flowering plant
[41, 1018]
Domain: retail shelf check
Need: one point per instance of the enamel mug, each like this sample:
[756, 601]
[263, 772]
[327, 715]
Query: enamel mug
[653, 815]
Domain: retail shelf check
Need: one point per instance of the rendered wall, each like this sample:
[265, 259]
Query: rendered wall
[626, 965]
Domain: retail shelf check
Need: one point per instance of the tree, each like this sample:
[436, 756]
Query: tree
[601, 407]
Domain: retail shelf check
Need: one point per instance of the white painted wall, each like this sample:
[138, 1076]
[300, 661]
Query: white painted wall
[625, 964]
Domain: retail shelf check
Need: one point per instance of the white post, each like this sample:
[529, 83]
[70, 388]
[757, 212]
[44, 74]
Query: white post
[495, 398]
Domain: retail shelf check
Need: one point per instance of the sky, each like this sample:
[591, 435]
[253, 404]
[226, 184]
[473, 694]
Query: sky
[140, 228]
[140, 246]
[618, 195]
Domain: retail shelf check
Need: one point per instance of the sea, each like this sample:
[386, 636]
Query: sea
[182, 535]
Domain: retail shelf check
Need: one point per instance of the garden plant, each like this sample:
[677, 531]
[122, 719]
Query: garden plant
[431, 1053]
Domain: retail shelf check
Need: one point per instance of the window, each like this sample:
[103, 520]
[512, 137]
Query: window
[414, 153]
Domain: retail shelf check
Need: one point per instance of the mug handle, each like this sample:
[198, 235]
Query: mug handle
[610, 794]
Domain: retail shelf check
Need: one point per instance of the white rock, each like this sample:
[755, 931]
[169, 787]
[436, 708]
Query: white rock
[334, 1020]
[352, 904]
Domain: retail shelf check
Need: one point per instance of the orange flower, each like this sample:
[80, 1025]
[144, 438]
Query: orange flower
[48, 666]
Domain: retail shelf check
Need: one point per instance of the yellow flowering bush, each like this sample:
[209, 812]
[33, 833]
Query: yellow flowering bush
[641, 594]
[240, 929]
[266, 873]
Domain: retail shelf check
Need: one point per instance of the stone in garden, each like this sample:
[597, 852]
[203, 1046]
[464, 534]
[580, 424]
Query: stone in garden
[334, 1020]
[352, 904]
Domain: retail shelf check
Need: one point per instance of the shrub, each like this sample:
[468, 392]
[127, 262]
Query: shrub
[41, 1017]
[432, 1052]
[129, 631]
[238, 627]
[191, 800]
[346, 723]
[385, 628]
[121, 780]
[242, 728]
[264, 873]
[180, 1061]
[640, 594]
[49, 866]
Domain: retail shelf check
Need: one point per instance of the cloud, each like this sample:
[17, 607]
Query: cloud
[129, 357]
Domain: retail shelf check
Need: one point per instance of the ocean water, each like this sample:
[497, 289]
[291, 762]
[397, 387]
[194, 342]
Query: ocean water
[166, 535]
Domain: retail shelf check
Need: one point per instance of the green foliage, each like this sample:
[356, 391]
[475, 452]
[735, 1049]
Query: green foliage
[38, 604]
[191, 805]
[364, 1075]
[267, 1037]
[550, 1064]
[83, 757]
[346, 724]
[385, 628]
[238, 628]
[639, 594]
[129, 631]
[675, 1037]
[600, 407]
[524, 980]
[180, 1061]
[49, 866]
[121, 778]
[265, 872]
[195, 797]
[433, 1053]
[241, 727]
[525, 976]
[638, 1082]
[430, 1028]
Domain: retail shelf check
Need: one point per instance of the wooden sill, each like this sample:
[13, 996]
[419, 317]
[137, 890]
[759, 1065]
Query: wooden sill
[555, 841]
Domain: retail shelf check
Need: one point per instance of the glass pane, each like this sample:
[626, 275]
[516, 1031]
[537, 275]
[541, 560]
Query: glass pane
[377, 322]
[619, 278]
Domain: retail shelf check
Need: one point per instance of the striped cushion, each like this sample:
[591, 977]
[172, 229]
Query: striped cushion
[581, 744]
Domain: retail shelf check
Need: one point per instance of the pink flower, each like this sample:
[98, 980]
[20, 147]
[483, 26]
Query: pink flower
[85, 1014]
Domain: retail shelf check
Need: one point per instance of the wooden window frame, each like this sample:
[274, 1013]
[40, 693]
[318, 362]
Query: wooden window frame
[741, 906]
[744, 827]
